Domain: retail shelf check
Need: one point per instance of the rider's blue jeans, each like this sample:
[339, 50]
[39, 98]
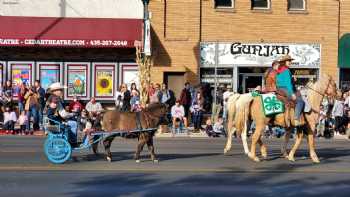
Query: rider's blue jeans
[299, 108]
[72, 131]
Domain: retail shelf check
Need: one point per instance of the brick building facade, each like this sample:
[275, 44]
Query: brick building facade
[181, 29]
[86, 45]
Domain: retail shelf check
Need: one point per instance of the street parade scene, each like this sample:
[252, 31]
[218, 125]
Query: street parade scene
[174, 98]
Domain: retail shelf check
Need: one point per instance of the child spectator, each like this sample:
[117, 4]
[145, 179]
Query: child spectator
[22, 121]
[75, 105]
[136, 107]
[209, 128]
[9, 120]
[219, 127]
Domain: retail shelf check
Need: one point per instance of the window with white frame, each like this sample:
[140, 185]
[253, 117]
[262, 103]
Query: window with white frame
[224, 3]
[261, 4]
[296, 5]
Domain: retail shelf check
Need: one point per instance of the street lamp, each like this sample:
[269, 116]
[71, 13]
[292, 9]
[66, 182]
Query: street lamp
[145, 3]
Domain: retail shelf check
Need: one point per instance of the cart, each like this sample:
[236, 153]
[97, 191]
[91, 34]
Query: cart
[57, 147]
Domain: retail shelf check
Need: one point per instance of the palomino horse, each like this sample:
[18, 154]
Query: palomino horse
[315, 93]
[115, 120]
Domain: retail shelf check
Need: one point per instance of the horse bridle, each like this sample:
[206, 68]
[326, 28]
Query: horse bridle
[318, 92]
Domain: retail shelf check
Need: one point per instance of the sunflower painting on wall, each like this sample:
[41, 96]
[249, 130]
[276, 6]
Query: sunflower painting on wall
[104, 83]
[77, 82]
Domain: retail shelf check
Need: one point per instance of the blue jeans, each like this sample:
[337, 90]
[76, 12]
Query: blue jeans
[197, 119]
[32, 112]
[299, 108]
[224, 113]
[40, 113]
[72, 131]
[20, 107]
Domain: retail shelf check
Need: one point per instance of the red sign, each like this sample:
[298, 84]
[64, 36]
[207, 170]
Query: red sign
[69, 32]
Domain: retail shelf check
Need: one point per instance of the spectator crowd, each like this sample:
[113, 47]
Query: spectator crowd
[191, 109]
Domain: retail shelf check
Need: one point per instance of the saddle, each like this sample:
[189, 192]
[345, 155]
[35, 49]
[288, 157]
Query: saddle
[282, 96]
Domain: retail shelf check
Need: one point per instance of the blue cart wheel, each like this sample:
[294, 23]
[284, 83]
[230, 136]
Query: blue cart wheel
[57, 150]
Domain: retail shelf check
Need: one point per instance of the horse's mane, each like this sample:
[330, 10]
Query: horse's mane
[315, 88]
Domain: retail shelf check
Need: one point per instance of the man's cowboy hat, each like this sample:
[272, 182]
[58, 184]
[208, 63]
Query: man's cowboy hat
[286, 58]
[56, 86]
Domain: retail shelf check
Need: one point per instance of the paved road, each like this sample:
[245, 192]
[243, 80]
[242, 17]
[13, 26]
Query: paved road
[187, 167]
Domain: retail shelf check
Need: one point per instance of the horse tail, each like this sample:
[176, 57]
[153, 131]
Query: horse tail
[231, 110]
[242, 116]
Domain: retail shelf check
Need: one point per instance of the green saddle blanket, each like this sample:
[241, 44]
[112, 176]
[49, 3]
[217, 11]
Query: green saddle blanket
[271, 105]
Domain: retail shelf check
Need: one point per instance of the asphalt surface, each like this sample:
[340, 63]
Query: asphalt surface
[187, 167]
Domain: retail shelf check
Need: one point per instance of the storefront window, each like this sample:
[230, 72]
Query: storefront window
[345, 79]
[224, 76]
[303, 76]
[250, 78]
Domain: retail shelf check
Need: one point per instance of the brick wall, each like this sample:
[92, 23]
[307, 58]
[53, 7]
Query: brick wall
[176, 27]
[344, 17]
[175, 36]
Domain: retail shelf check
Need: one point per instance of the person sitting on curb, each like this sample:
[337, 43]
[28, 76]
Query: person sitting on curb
[178, 113]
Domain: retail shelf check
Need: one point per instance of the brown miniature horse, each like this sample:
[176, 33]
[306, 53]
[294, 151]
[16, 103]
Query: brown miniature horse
[150, 117]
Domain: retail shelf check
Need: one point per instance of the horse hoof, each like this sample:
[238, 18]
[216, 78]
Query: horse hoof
[284, 155]
[109, 159]
[226, 153]
[254, 158]
[264, 156]
[138, 161]
[155, 161]
[315, 160]
[290, 158]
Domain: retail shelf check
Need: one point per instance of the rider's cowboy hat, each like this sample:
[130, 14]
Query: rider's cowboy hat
[286, 58]
[56, 86]
[275, 62]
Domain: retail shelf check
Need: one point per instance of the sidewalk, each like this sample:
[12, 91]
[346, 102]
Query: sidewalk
[183, 135]
[37, 133]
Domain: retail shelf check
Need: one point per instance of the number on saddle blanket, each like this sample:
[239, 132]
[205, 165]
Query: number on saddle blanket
[271, 104]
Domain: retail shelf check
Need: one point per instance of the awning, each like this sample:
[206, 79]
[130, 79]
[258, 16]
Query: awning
[69, 32]
[344, 52]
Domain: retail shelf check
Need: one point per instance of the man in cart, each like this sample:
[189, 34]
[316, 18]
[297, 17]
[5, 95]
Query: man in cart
[55, 111]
